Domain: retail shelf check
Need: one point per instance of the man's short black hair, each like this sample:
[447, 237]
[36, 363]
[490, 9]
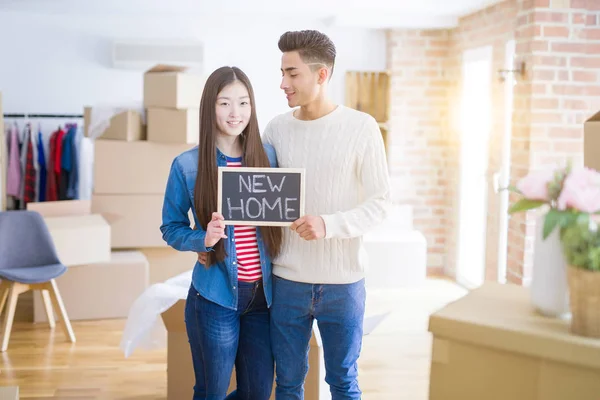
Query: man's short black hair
[313, 46]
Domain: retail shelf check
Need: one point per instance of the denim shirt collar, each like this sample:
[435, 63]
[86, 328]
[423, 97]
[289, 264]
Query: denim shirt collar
[221, 158]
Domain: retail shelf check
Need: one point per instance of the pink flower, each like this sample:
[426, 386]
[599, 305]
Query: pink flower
[581, 191]
[534, 186]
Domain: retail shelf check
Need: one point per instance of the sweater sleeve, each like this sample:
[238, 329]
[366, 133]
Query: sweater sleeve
[267, 137]
[373, 178]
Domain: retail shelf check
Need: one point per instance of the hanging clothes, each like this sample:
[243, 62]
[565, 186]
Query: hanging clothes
[29, 182]
[61, 182]
[65, 165]
[60, 136]
[73, 185]
[52, 186]
[3, 167]
[36, 166]
[42, 168]
[13, 179]
[23, 158]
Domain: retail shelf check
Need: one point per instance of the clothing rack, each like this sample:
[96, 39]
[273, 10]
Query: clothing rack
[43, 116]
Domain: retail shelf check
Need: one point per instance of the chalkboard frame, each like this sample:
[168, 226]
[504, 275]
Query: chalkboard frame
[222, 170]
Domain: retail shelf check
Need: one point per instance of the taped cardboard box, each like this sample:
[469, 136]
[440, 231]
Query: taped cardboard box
[140, 167]
[134, 219]
[102, 290]
[591, 142]
[174, 126]
[491, 344]
[180, 371]
[61, 208]
[80, 239]
[170, 86]
[127, 125]
[166, 262]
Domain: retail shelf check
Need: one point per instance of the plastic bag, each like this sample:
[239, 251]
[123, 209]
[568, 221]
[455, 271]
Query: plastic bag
[101, 115]
[144, 327]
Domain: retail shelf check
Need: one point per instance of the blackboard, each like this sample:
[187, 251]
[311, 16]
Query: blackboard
[260, 196]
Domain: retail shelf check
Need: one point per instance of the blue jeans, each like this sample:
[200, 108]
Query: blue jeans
[220, 337]
[339, 311]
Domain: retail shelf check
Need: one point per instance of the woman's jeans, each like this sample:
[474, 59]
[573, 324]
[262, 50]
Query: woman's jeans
[220, 337]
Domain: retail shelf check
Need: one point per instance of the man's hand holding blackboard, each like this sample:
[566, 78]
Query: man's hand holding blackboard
[309, 227]
[215, 230]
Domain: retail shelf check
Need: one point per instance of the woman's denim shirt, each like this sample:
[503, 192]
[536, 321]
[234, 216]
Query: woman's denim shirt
[219, 283]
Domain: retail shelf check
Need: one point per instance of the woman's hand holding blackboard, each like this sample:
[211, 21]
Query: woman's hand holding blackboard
[215, 230]
[309, 227]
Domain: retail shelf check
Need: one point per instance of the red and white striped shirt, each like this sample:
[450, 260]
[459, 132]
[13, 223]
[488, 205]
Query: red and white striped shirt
[246, 245]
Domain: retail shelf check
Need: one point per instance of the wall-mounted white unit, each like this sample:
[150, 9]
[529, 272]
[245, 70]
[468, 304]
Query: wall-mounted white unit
[144, 53]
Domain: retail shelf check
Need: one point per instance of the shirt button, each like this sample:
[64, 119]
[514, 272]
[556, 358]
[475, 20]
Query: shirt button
[234, 287]
[234, 263]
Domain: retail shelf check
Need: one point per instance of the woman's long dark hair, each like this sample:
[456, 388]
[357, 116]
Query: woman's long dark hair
[205, 191]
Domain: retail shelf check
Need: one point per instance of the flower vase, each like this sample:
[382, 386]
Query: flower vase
[549, 283]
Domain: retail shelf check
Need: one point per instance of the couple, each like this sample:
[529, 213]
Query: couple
[256, 291]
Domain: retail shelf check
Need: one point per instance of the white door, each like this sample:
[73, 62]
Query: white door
[503, 177]
[475, 128]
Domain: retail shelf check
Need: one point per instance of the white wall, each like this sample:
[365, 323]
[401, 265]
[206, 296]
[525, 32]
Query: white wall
[58, 64]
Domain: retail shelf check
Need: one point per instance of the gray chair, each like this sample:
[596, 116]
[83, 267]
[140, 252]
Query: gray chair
[28, 261]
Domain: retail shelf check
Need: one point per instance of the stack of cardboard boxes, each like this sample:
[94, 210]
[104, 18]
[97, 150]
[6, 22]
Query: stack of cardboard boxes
[82, 241]
[113, 244]
[172, 101]
[131, 170]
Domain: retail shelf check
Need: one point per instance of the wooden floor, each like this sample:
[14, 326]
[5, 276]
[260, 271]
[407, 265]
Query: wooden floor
[394, 363]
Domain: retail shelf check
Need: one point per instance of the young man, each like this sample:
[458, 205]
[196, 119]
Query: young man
[319, 274]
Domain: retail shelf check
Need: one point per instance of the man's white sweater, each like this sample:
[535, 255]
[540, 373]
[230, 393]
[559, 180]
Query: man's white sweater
[346, 183]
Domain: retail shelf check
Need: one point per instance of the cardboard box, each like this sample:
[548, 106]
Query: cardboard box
[166, 262]
[385, 270]
[133, 167]
[80, 239]
[591, 142]
[127, 125]
[134, 219]
[180, 372]
[102, 290]
[61, 208]
[169, 86]
[173, 126]
[491, 344]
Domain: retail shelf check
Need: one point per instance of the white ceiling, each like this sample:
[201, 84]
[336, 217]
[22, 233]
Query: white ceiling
[355, 13]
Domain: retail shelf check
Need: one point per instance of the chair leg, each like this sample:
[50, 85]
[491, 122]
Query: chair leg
[13, 295]
[48, 307]
[60, 308]
[4, 286]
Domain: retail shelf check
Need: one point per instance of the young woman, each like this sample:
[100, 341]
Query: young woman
[226, 314]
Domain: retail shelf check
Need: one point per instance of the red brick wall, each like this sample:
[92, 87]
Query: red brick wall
[559, 40]
[425, 149]
[417, 60]
[560, 44]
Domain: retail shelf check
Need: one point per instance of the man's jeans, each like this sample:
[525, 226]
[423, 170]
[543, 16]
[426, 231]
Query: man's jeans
[219, 337]
[339, 311]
